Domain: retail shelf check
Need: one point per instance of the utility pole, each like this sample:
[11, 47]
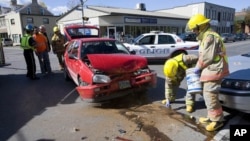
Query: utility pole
[82, 3]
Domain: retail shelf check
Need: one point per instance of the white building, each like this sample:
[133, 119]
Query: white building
[222, 18]
[12, 23]
[113, 20]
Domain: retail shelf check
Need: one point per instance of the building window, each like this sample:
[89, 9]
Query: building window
[45, 21]
[29, 20]
[28, 10]
[12, 21]
[42, 11]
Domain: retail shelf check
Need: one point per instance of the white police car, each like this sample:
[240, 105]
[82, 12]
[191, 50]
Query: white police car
[160, 45]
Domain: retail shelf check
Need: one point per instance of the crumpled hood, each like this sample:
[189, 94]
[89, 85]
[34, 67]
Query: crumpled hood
[117, 63]
[239, 67]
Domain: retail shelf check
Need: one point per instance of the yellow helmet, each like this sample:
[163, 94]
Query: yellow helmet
[197, 20]
[55, 29]
[170, 68]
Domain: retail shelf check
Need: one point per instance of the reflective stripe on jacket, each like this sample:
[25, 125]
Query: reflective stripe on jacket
[25, 42]
[179, 59]
[212, 57]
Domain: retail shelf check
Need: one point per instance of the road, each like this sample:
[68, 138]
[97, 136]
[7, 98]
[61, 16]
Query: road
[50, 109]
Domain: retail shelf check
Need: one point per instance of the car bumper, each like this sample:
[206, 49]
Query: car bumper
[235, 99]
[102, 92]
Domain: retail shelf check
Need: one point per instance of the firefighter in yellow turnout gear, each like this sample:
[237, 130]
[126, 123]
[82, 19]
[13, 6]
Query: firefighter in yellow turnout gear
[213, 66]
[175, 70]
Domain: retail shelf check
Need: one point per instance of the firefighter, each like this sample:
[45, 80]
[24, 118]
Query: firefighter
[58, 45]
[28, 45]
[175, 71]
[213, 66]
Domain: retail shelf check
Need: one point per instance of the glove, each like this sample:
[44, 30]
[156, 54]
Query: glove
[197, 70]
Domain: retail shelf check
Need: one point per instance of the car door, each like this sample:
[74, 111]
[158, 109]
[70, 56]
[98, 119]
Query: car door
[165, 46]
[73, 60]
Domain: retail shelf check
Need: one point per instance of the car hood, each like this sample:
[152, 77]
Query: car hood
[117, 63]
[239, 67]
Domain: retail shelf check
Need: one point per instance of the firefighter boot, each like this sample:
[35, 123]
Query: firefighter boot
[171, 99]
[189, 108]
[214, 125]
[204, 120]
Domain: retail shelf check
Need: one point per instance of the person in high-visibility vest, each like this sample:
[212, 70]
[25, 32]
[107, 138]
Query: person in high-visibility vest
[28, 45]
[213, 66]
[175, 70]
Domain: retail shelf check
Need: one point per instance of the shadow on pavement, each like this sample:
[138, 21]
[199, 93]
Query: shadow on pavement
[22, 99]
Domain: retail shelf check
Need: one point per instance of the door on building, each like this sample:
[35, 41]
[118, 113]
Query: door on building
[111, 32]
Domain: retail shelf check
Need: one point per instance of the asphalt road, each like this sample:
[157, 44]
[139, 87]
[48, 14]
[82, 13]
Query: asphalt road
[50, 109]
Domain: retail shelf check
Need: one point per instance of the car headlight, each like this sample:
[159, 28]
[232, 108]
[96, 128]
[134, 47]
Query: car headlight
[236, 84]
[99, 78]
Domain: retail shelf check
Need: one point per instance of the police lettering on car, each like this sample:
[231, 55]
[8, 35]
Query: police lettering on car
[152, 51]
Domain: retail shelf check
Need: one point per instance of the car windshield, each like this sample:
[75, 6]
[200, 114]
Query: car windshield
[103, 47]
[82, 32]
[138, 37]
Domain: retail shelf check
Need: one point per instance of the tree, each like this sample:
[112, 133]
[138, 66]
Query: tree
[242, 21]
[42, 4]
[73, 3]
[247, 17]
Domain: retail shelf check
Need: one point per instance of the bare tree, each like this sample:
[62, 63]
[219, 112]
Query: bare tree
[43, 4]
[247, 18]
[72, 3]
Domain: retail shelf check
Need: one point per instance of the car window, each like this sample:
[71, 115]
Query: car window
[73, 48]
[165, 39]
[7, 39]
[103, 47]
[147, 40]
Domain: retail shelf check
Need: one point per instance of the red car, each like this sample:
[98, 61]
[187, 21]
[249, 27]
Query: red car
[103, 69]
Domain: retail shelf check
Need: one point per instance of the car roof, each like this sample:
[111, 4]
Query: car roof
[79, 26]
[94, 39]
[159, 33]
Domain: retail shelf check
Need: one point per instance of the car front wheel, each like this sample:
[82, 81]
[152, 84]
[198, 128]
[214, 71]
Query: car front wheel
[66, 75]
[81, 82]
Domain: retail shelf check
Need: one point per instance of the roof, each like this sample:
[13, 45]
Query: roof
[194, 3]
[35, 4]
[126, 11]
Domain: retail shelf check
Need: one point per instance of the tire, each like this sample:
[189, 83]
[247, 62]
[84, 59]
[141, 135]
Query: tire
[66, 74]
[81, 82]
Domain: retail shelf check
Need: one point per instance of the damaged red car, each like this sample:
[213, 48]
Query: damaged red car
[104, 69]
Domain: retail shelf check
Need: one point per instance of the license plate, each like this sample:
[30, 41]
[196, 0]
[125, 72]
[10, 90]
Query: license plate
[124, 84]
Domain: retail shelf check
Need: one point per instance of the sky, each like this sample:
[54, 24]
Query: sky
[60, 6]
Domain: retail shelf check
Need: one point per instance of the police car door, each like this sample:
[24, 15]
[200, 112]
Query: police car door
[145, 46]
[165, 46]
